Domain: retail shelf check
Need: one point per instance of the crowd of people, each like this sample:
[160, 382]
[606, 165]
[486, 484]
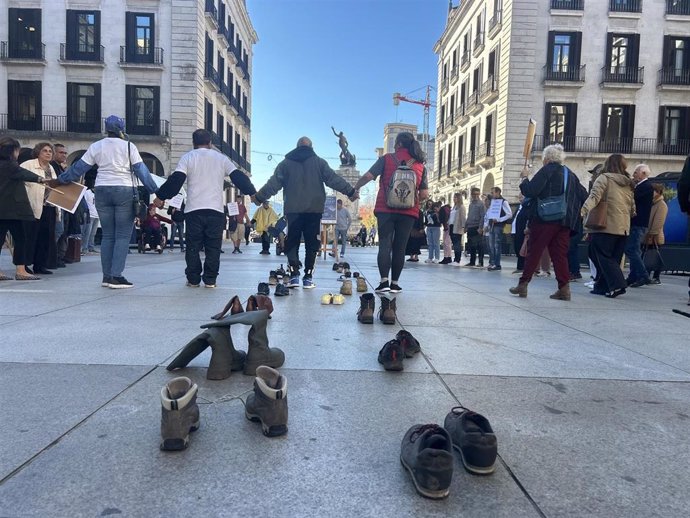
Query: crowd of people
[619, 214]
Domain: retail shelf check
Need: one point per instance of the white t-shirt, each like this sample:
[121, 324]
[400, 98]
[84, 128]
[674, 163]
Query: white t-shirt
[110, 154]
[206, 170]
[89, 198]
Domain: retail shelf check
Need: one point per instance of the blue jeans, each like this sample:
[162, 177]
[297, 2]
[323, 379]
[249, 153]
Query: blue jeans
[116, 212]
[433, 238]
[179, 229]
[88, 234]
[342, 235]
[495, 241]
[633, 249]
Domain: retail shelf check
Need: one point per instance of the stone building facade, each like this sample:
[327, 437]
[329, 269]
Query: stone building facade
[600, 77]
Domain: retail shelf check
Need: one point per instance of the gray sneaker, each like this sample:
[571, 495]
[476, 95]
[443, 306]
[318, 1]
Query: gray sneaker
[268, 404]
[474, 438]
[427, 453]
[180, 413]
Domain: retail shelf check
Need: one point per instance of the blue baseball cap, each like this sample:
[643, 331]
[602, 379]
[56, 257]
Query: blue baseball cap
[115, 124]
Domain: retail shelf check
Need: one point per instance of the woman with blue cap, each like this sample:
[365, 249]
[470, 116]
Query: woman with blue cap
[116, 196]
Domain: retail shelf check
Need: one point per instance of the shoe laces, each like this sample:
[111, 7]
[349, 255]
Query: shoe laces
[459, 410]
[424, 428]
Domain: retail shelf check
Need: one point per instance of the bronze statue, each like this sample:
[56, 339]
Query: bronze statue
[346, 158]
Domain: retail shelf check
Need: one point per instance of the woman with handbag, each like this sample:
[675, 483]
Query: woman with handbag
[116, 195]
[557, 196]
[655, 233]
[606, 214]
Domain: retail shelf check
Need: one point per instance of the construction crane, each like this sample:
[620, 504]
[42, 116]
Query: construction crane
[426, 102]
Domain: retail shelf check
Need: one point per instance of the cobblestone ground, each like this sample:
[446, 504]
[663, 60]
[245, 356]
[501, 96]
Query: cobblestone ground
[589, 399]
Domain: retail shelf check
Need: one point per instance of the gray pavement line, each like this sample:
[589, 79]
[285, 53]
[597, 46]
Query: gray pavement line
[522, 488]
[563, 378]
[77, 425]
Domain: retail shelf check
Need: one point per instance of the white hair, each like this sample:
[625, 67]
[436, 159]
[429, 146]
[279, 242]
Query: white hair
[553, 153]
[643, 168]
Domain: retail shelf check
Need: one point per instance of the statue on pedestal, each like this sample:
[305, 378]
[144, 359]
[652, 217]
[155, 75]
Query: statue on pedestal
[346, 158]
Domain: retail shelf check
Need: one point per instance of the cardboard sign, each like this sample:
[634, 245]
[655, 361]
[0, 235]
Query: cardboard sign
[67, 196]
[233, 209]
[329, 210]
[176, 201]
[494, 211]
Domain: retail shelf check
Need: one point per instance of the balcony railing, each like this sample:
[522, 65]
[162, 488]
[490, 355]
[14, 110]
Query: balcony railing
[130, 56]
[468, 159]
[211, 10]
[625, 6]
[223, 31]
[454, 73]
[674, 76]
[8, 52]
[465, 60]
[211, 74]
[564, 73]
[484, 150]
[489, 87]
[244, 67]
[460, 113]
[444, 85]
[681, 7]
[478, 43]
[622, 75]
[495, 21]
[64, 124]
[634, 146]
[571, 5]
[68, 53]
[472, 101]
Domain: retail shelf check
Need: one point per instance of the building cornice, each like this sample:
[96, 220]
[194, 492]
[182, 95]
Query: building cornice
[454, 18]
[248, 23]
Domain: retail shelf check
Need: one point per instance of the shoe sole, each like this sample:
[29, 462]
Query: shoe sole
[268, 431]
[119, 286]
[308, 287]
[395, 367]
[474, 469]
[382, 290]
[105, 285]
[396, 291]
[366, 320]
[178, 443]
[428, 493]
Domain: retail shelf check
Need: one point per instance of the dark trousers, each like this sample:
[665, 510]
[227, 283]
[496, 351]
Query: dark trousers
[475, 245]
[573, 255]
[265, 241]
[16, 230]
[555, 238]
[607, 252]
[518, 240]
[456, 240]
[247, 231]
[153, 237]
[394, 231]
[30, 236]
[204, 230]
[177, 228]
[307, 225]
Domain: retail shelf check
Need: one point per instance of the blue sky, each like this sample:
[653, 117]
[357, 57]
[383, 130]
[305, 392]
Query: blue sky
[323, 63]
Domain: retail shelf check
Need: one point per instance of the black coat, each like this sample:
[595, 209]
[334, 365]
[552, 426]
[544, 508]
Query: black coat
[548, 181]
[644, 198]
[14, 202]
[684, 187]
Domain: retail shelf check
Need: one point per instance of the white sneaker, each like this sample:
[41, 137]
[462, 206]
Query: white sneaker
[435, 261]
[147, 247]
[428, 261]
[158, 248]
[589, 284]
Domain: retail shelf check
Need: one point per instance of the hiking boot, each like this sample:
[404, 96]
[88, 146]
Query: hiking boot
[234, 306]
[346, 287]
[367, 304]
[258, 351]
[561, 293]
[180, 413]
[268, 404]
[474, 439]
[282, 290]
[427, 453]
[263, 289]
[520, 289]
[272, 278]
[391, 356]
[361, 284]
[387, 311]
[409, 343]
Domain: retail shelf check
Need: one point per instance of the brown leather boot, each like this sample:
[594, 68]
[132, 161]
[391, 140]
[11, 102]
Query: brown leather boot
[562, 293]
[520, 289]
[367, 304]
[387, 311]
[234, 306]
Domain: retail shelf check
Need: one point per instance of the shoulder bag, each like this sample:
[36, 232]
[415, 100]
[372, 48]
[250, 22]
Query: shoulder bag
[596, 218]
[554, 208]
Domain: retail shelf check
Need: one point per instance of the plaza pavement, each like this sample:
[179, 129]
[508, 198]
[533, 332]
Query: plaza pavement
[589, 399]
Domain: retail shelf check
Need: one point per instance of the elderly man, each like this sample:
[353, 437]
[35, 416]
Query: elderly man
[644, 198]
[550, 181]
[302, 175]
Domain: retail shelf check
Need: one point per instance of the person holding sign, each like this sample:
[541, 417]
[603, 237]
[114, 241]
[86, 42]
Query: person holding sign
[239, 221]
[204, 169]
[499, 214]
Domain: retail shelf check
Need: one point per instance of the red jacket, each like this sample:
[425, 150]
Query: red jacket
[385, 178]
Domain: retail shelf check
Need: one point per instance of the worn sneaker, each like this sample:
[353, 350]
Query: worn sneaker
[294, 282]
[272, 278]
[395, 288]
[346, 287]
[337, 299]
[426, 452]
[106, 281]
[209, 286]
[383, 287]
[345, 276]
[308, 283]
[326, 299]
[391, 356]
[191, 285]
[655, 281]
[119, 283]
[263, 289]
[409, 343]
[474, 438]
[361, 284]
[280, 272]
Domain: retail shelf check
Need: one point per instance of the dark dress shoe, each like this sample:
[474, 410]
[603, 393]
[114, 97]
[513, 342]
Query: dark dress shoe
[42, 271]
[29, 270]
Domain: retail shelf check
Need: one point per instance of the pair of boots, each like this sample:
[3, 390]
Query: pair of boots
[427, 450]
[254, 303]
[180, 411]
[367, 306]
[560, 294]
[346, 287]
[224, 357]
[404, 345]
